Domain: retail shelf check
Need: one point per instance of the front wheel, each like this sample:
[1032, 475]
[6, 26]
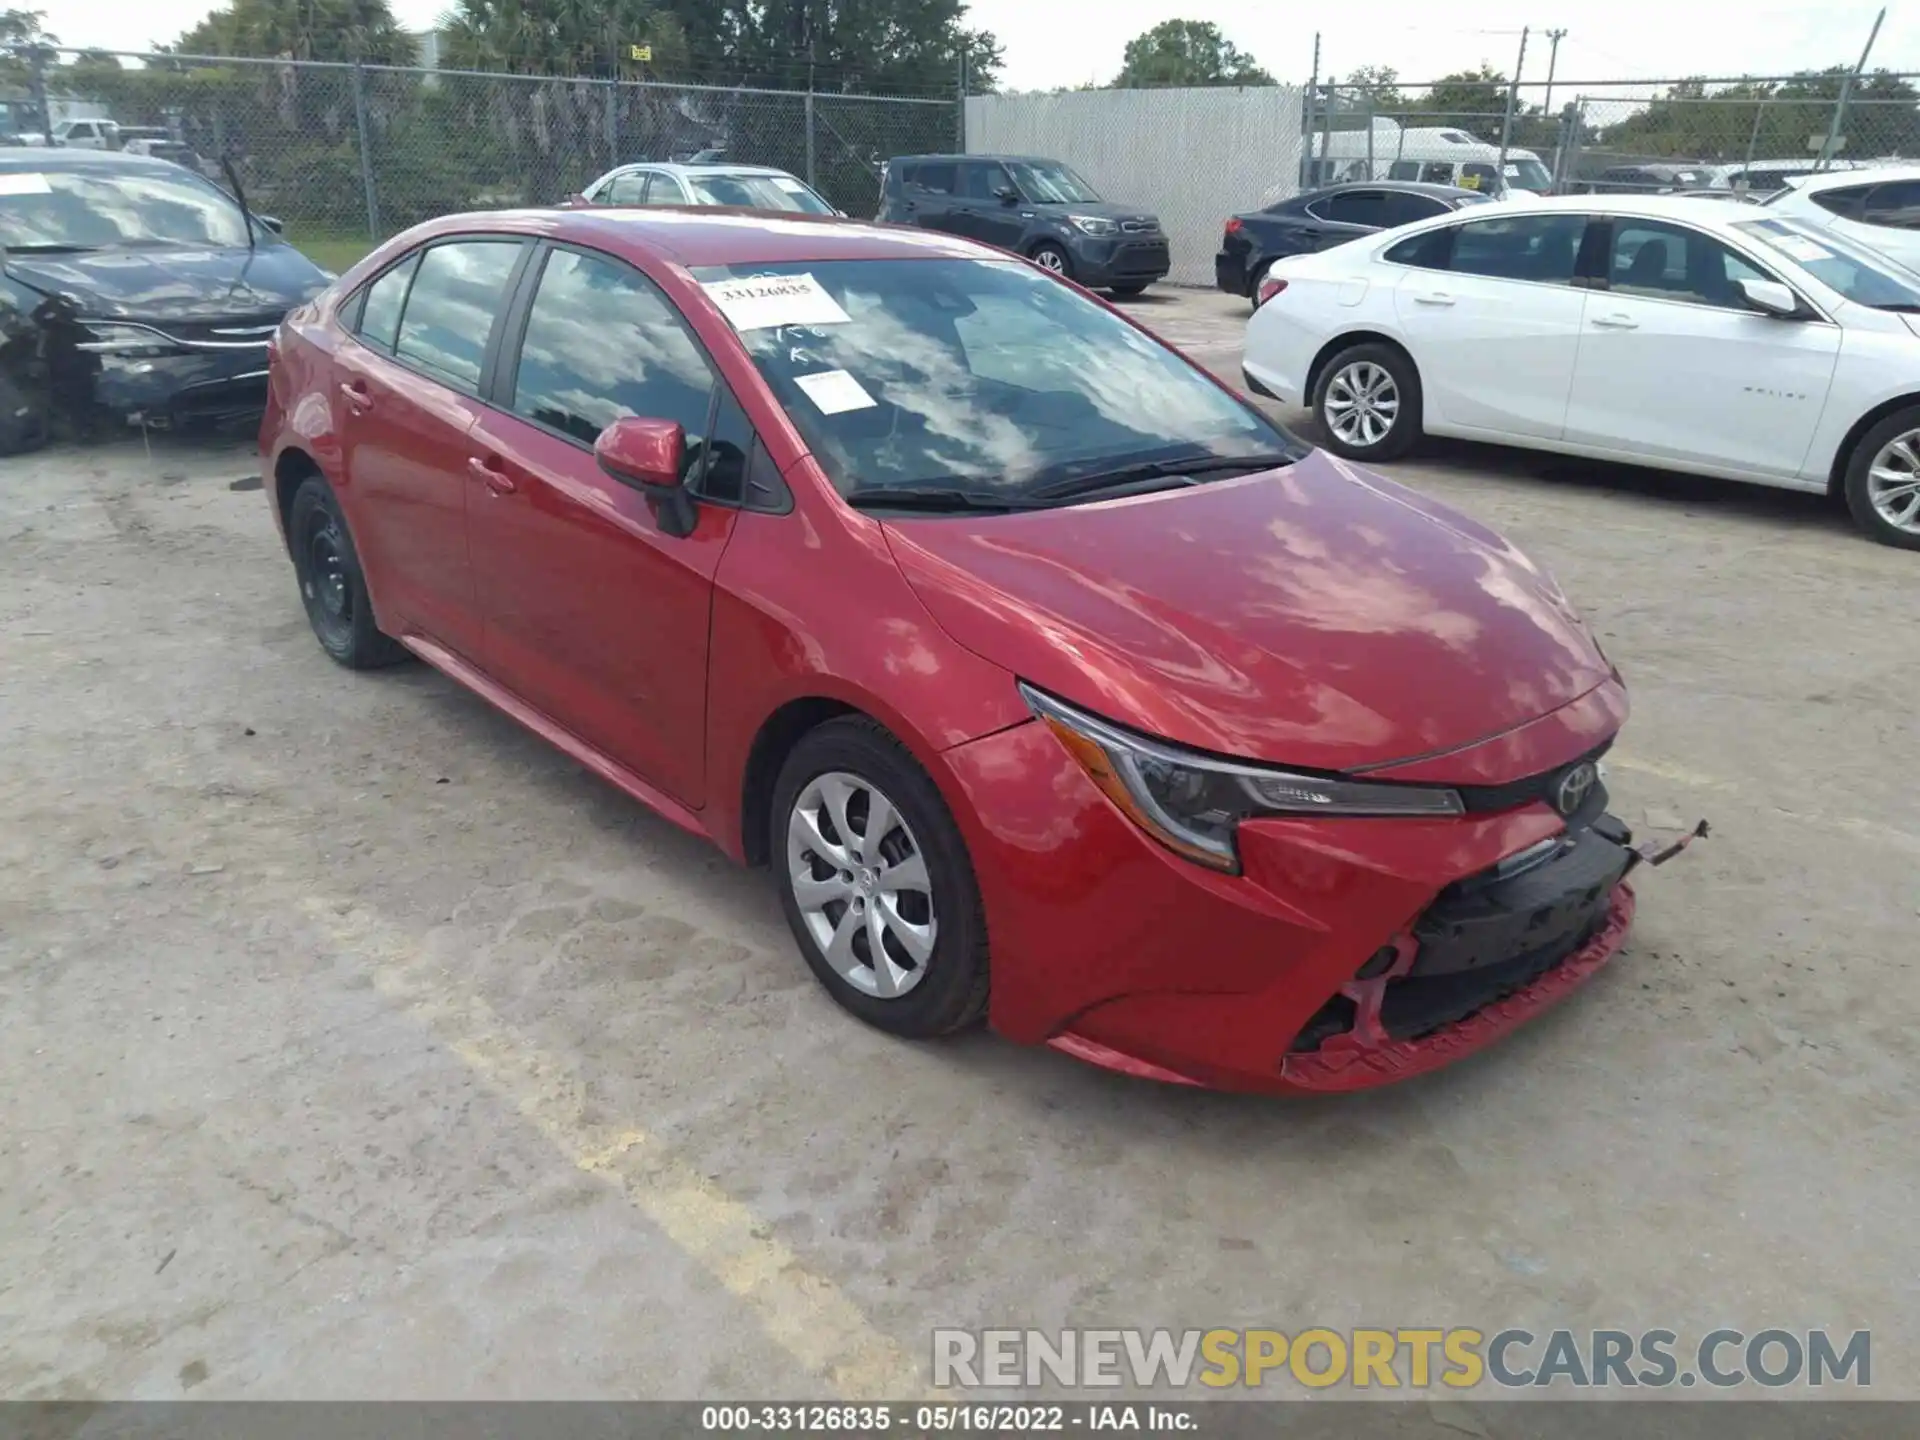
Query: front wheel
[876, 883]
[1051, 257]
[1883, 480]
[1368, 403]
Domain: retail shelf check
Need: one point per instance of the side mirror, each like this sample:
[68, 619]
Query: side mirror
[648, 453]
[1770, 297]
[273, 223]
[574, 202]
[1007, 195]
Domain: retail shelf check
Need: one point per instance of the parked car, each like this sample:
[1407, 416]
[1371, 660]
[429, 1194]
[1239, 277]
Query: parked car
[1032, 207]
[1430, 154]
[1767, 177]
[754, 187]
[1880, 208]
[1651, 179]
[1690, 335]
[1067, 704]
[1254, 239]
[132, 287]
[87, 134]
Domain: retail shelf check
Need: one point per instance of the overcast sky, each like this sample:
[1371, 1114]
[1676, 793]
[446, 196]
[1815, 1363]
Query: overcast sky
[1066, 42]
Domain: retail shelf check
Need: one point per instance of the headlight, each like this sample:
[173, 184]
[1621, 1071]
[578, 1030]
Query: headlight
[1193, 803]
[127, 341]
[1093, 225]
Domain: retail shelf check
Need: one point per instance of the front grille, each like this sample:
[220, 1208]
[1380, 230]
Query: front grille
[1141, 258]
[236, 330]
[1417, 1005]
[1138, 227]
[1486, 799]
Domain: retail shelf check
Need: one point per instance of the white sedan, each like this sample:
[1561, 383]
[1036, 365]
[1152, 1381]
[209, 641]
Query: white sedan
[1687, 334]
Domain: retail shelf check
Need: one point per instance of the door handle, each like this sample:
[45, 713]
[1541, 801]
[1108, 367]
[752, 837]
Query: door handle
[498, 481]
[1616, 322]
[1436, 297]
[354, 392]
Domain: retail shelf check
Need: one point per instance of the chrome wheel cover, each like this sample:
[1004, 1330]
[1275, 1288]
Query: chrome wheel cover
[1361, 403]
[859, 879]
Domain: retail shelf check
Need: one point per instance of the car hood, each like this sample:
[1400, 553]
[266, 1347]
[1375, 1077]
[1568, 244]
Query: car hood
[1105, 209]
[1317, 616]
[174, 285]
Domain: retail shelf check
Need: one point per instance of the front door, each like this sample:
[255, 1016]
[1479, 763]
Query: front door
[1492, 319]
[595, 614]
[989, 218]
[407, 396]
[1674, 366]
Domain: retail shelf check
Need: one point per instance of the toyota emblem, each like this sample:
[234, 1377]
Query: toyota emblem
[1574, 787]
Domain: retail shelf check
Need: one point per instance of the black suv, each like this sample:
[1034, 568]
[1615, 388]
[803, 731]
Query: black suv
[1038, 208]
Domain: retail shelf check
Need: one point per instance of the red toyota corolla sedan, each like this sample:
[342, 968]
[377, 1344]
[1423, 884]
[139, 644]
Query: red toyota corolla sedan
[1056, 685]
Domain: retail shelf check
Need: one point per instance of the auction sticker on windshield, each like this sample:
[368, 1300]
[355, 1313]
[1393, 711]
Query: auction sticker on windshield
[762, 302]
[835, 391]
[24, 182]
[1799, 247]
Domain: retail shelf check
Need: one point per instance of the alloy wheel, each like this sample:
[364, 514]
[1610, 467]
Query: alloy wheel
[1893, 483]
[1051, 260]
[859, 879]
[1362, 402]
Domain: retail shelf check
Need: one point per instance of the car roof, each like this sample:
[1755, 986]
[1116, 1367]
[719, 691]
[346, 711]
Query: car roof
[42, 157]
[1405, 187]
[1003, 159]
[1873, 175]
[706, 167]
[1674, 207]
[718, 234]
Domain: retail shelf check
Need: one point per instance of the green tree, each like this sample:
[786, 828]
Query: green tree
[1374, 86]
[302, 30]
[1187, 52]
[1471, 100]
[1775, 120]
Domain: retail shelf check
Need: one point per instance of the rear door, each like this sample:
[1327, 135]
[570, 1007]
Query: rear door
[1492, 317]
[595, 613]
[1673, 366]
[408, 393]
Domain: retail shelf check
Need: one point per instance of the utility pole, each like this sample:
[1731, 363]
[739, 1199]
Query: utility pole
[1846, 94]
[1307, 172]
[1506, 124]
[1553, 60]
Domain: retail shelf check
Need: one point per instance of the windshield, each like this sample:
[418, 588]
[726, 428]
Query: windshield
[1050, 182]
[1528, 175]
[110, 209]
[983, 374]
[1864, 276]
[758, 192]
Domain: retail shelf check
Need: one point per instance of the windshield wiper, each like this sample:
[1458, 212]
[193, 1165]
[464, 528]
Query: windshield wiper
[46, 247]
[1179, 471]
[1901, 307]
[934, 499]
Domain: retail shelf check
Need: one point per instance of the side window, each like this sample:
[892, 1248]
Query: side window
[1845, 203]
[1540, 248]
[1429, 250]
[602, 342]
[628, 189]
[1671, 262]
[1404, 170]
[937, 177]
[724, 478]
[984, 181]
[1356, 207]
[663, 190]
[1401, 208]
[380, 309]
[1896, 205]
[1437, 172]
[457, 291]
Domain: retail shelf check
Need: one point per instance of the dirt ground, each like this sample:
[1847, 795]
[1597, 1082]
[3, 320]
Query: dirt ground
[355, 1043]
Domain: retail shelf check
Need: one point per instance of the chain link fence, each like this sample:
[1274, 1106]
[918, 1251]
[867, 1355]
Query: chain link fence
[346, 155]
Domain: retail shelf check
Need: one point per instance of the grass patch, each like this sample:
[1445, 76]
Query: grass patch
[330, 252]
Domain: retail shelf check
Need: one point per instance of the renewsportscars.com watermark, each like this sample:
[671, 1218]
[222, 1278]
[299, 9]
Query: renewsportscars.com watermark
[1416, 1359]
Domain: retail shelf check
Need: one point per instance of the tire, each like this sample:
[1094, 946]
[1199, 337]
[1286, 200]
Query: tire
[1349, 374]
[1049, 256]
[1884, 508]
[1254, 282]
[333, 587]
[839, 768]
[1127, 292]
